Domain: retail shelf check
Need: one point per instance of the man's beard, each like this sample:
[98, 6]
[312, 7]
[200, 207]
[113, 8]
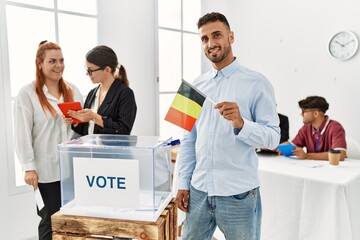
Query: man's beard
[219, 58]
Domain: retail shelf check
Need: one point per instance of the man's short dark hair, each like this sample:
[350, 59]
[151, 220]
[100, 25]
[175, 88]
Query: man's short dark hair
[212, 17]
[314, 102]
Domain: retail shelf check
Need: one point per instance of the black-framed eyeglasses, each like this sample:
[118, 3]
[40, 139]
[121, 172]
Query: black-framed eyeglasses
[308, 110]
[90, 71]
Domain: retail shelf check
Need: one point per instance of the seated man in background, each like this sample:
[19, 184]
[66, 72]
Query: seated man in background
[319, 133]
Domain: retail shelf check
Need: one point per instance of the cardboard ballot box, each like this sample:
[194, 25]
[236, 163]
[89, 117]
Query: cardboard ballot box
[116, 176]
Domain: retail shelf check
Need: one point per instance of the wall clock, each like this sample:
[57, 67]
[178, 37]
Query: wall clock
[343, 45]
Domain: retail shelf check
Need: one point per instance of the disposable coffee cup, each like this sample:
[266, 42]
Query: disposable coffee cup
[334, 157]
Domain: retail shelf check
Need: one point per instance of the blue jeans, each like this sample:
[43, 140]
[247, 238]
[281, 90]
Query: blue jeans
[237, 216]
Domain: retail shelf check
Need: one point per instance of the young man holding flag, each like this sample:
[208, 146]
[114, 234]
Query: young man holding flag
[218, 165]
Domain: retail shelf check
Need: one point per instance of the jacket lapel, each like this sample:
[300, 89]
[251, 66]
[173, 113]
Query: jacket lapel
[92, 97]
[109, 98]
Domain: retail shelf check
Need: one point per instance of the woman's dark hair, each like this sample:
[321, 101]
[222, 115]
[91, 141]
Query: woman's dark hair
[213, 17]
[103, 56]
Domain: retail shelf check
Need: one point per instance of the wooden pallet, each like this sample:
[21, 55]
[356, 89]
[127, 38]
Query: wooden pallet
[66, 227]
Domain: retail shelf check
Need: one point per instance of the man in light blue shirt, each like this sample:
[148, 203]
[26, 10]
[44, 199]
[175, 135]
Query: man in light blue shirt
[218, 165]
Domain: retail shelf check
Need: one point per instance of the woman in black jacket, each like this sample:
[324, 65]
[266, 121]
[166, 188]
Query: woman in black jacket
[110, 108]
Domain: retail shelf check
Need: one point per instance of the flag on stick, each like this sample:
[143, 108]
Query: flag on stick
[186, 106]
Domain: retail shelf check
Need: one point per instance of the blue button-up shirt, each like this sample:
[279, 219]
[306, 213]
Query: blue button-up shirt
[215, 157]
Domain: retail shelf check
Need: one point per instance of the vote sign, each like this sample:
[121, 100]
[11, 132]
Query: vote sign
[106, 182]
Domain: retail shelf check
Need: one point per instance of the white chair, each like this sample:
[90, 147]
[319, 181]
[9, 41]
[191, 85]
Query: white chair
[353, 149]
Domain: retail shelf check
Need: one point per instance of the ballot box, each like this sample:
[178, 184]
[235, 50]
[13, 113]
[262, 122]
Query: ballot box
[116, 176]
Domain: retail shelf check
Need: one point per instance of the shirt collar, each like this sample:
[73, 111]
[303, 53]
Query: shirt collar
[226, 71]
[49, 96]
[45, 89]
[323, 125]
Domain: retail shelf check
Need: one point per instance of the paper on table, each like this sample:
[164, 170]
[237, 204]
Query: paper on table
[38, 199]
[304, 163]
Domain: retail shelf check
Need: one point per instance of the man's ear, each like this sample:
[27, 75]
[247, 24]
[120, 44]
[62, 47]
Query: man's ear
[231, 37]
[317, 113]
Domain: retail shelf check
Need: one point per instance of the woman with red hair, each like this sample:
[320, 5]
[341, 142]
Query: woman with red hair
[39, 127]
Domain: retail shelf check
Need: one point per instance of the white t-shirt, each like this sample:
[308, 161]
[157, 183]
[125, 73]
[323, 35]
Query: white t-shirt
[94, 108]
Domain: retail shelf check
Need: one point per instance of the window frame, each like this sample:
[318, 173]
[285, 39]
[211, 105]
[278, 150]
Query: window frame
[182, 32]
[5, 85]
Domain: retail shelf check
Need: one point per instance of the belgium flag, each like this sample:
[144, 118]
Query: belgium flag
[186, 106]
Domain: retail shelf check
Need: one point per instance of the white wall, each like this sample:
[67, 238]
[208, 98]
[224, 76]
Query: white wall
[129, 28]
[287, 42]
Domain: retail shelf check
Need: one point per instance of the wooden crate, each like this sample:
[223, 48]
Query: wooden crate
[89, 228]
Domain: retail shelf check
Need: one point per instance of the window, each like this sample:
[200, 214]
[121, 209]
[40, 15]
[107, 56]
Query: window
[179, 54]
[59, 21]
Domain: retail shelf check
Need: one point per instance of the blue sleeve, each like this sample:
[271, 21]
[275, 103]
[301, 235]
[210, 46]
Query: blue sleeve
[263, 130]
[187, 159]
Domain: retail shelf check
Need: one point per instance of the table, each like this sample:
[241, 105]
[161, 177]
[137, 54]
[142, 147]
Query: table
[309, 200]
[80, 227]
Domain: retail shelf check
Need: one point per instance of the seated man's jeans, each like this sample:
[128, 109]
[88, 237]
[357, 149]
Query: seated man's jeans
[237, 216]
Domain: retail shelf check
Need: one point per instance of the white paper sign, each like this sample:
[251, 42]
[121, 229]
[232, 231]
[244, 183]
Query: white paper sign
[38, 199]
[106, 182]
